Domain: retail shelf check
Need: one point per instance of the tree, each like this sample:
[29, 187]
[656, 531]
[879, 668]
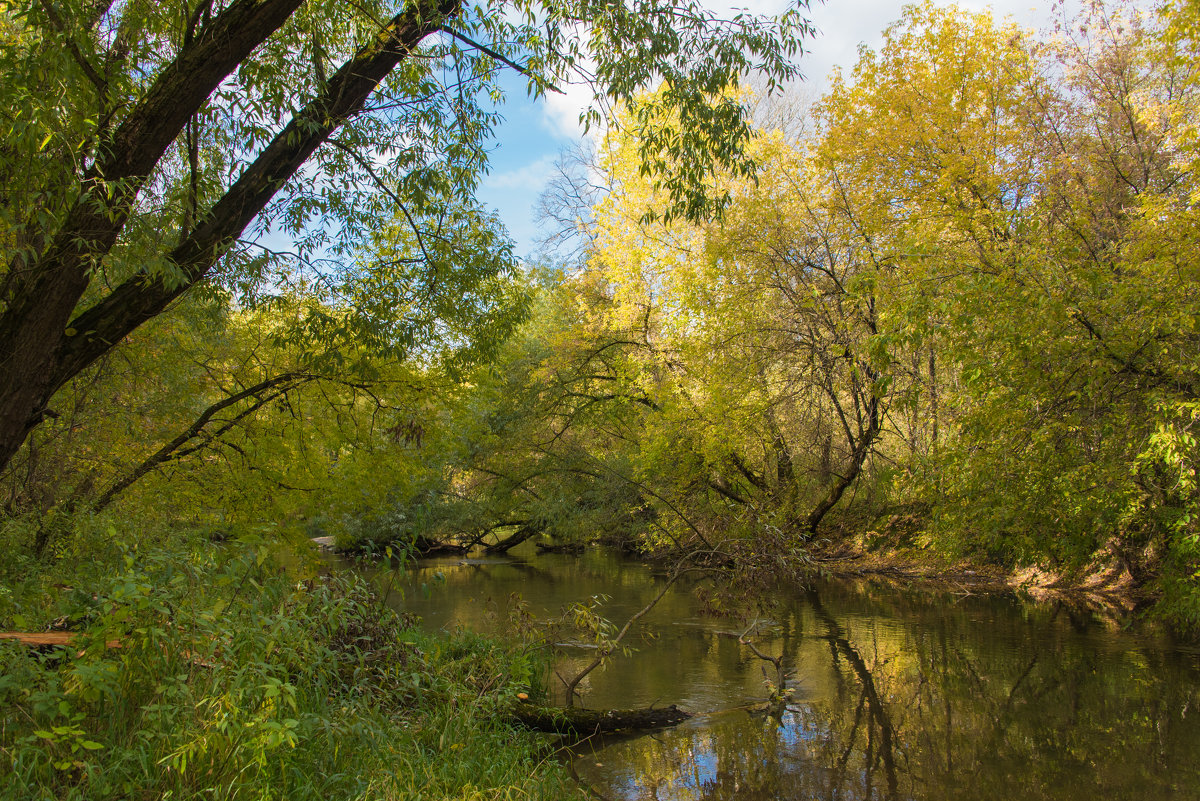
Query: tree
[801, 266]
[1039, 204]
[757, 338]
[142, 139]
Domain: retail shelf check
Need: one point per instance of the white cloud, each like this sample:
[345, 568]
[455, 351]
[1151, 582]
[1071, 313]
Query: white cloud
[760, 7]
[531, 177]
[842, 25]
[560, 112]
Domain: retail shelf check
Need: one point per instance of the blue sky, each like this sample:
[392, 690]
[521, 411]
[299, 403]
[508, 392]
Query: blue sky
[535, 132]
[522, 158]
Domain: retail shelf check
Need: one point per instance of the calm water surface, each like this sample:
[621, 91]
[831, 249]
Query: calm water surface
[899, 691]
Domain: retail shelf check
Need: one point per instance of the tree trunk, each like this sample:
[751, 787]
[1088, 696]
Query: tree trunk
[40, 350]
[933, 398]
[41, 291]
[858, 457]
[523, 532]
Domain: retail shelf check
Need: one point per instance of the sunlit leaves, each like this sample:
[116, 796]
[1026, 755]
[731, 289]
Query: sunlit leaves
[1032, 199]
[437, 288]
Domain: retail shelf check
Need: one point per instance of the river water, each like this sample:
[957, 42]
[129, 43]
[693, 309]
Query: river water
[898, 691]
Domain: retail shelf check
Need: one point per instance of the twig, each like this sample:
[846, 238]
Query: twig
[606, 648]
[485, 49]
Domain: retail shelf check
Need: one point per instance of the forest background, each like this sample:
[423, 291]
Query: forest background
[949, 309]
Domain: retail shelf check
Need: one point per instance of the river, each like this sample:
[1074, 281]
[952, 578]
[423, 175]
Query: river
[898, 690]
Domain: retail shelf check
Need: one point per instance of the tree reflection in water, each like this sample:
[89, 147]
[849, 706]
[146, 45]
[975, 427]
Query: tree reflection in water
[900, 692]
[900, 698]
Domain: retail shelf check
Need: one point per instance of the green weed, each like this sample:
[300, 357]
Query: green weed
[221, 675]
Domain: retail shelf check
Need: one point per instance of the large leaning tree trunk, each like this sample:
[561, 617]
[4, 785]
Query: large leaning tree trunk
[44, 340]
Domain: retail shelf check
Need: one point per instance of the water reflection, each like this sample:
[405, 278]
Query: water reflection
[899, 692]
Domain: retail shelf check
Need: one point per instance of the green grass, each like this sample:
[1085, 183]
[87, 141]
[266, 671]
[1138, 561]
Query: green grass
[236, 679]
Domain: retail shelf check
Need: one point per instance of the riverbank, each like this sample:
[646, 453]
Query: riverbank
[234, 672]
[889, 551]
[1105, 585]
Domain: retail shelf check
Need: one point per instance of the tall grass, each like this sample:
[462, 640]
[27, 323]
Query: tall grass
[232, 679]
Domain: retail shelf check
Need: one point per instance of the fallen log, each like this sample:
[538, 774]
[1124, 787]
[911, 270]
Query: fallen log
[47, 639]
[425, 547]
[523, 532]
[586, 722]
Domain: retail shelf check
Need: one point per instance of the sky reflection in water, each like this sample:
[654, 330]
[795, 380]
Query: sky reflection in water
[900, 692]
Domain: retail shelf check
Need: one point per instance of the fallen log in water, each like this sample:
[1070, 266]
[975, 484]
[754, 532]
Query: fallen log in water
[572, 720]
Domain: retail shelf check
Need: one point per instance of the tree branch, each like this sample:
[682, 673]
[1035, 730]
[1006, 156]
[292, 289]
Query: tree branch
[487, 50]
[73, 48]
[174, 450]
[607, 648]
[366, 165]
[142, 297]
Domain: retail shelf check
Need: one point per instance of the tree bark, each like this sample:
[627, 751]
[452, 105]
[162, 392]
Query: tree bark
[41, 292]
[37, 355]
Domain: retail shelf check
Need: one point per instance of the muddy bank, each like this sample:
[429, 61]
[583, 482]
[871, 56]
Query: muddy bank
[1102, 586]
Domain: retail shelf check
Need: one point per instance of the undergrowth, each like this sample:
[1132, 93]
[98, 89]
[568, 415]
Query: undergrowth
[220, 675]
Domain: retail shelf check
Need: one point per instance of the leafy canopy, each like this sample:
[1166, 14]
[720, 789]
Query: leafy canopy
[149, 144]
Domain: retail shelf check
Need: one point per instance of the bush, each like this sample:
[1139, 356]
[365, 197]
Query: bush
[219, 675]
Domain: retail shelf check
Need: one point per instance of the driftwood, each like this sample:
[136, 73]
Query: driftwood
[585, 722]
